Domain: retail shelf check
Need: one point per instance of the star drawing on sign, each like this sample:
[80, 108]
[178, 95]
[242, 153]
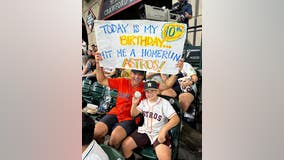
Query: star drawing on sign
[149, 84]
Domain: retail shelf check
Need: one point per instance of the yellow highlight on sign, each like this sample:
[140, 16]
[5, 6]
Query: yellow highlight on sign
[173, 31]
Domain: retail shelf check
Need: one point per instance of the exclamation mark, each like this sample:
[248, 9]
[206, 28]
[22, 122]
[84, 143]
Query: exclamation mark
[161, 66]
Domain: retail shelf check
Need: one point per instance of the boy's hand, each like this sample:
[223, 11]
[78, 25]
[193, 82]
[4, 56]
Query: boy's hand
[135, 100]
[162, 136]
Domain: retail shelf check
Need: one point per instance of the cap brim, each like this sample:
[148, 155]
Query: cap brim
[151, 89]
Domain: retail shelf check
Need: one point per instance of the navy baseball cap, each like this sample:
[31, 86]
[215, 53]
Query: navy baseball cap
[151, 85]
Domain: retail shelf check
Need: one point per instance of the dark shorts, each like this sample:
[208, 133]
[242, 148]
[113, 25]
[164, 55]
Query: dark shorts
[178, 90]
[142, 140]
[111, 121]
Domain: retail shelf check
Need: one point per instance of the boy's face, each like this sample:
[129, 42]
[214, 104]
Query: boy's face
[151, 94]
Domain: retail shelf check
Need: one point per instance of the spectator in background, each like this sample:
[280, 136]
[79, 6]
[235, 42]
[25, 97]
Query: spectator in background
[90, 149]
[87, 57]
[184, 9]
[90, 68]
[185, 86]
[94, 47]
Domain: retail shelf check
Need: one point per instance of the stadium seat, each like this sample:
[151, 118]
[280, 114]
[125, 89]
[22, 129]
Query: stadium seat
[86, 85]
[112, 153]
[97, 92]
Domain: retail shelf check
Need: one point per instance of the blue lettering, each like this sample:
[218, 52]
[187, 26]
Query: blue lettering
[106, 54]
[114, 28]
[151, 29]
[121, 53]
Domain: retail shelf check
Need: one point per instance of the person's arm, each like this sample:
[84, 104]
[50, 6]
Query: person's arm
[110, 74]
[187, 15]
[164, 77]
[150, 75]
[189, 82]
[171, 123]
[90, 74]
[192, 73]
[134, 111]
[172, 79]
[87, 68]
[99, 71]
[194, 79]
[188, 12]
[168, 83]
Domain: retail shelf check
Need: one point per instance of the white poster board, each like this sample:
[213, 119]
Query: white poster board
[140, 44]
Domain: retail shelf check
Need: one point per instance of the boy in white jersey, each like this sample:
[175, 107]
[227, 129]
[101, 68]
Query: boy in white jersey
[159, 118]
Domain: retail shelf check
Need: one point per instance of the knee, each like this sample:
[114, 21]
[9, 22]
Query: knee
[100, 130]
[185, 99]
[163, 153]
[163, 156]
[114, 141]
[125, 145]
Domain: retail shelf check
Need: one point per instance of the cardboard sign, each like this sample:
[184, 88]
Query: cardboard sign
[141, 44]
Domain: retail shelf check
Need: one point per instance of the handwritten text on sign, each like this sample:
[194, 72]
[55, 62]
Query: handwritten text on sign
[140, 44]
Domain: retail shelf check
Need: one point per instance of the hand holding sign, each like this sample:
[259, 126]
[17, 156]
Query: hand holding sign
[98, 56]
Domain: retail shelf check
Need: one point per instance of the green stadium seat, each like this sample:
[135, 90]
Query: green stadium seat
[112, 153]
[97, 92]
[86, 85]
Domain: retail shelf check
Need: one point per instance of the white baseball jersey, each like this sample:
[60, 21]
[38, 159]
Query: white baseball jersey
[94, 152]
[187, 71]
[156, 115]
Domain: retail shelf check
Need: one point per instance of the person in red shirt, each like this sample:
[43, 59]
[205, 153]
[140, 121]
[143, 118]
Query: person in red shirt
[118, 121]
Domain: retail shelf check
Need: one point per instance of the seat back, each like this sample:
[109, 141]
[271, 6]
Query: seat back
[86, 85]
[112, 153]
[97, 92]
[113, 93]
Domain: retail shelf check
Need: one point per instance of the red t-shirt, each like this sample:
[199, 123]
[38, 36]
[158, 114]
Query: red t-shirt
[124, 97]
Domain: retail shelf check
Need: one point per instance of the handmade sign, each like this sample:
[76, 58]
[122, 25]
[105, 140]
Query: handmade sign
[141, 44]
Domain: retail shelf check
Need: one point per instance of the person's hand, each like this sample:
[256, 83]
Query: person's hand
[187, 15]
[162, 136]
[98, 56]
[164, 77]
[135, 100]
[186, 83]
[183, 84]
[182, 17]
